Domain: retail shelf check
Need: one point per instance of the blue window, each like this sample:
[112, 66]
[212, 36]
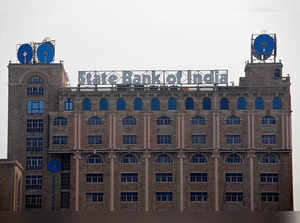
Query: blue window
[60, 140]
[276, 103]
[35, 107]
[270, 196]
[241, 104]
[206, 104]
[198, 120]
[268, 139]
[103, 104]
[198, 139]
[138, 104]
[86, 104]
[121, 104]
[189, 104]
[233, 158]
[95, 139]
[234, 196]
[155, 104]
[268, 159]
[164, 139]
[233, 120]
[224, 104]
[95, 120]
[259, 103]
[34, 163]
[198, 177]
[172, 104]
[277, 73]
[94, 178]
[198, 158]
[233, 177]
[94, 159]
[163, 196]
[35, 91]
[60, 121]
[129, 120]
[269, 177]
[163, 120]
[198, 196]
[164, 177]
[268, 120]
[68, 104]
[233, 139]
[163, 159]
[35, 80]
[129, 177]
[35, 125]
[33, 182]
[129, 158]
[34, 144]
[129, 139]
[129, 196]
[94, 197]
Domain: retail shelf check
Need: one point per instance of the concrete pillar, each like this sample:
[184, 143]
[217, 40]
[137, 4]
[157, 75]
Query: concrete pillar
[216, 156]
[181, 156]
[251, 156]
[147, 156]
[182, 133]
[77, 157]
[112, 157]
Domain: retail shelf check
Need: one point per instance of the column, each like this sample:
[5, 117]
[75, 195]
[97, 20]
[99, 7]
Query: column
[112, 156]
[77, 157]
[181, 156]
[251, 156]
[290, 130]
[147, 156]
[283, 131]
[178, 131]
[182, 133]
[249, 131]
[216, 156]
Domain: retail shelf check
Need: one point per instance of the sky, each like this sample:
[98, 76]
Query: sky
[156, 34]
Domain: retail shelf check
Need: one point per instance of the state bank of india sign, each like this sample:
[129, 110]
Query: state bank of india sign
[153, 77]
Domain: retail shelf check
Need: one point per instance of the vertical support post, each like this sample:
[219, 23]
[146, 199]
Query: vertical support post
[216, 156]
[147, 156]
[77, 157]
[181, 156]
[283, 131]
[112, 156]
[251, 156]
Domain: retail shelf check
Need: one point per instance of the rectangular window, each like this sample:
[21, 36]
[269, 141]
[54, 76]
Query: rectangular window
[34, 144]
[199, 139]
[65, 180]
[35, 125]
[164, 177]
[198, 177]
[65, 200]
[233, 177]
[129, 196]
[33, 201]
[233, 139]
[129, 139]
[269, 177]
[35, 107]
[33, 182]
[129, 177]
[94, 178]
[164, 196]
[94, 197]
[269, 196]
[95, 139]
[268, 139]
[35, 91]
[234, 196]
[34, 163]
[198, 196]
[60, 140]
[164, 139]
[65, 162]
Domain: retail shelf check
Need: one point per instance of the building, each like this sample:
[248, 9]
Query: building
[150, 147]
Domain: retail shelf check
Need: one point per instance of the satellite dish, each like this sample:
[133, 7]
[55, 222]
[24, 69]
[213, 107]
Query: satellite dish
[263, 45]
[25, 53]
[54, 166]
[45, 53]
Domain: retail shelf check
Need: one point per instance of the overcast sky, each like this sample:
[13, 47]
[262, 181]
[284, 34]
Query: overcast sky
[153, 34]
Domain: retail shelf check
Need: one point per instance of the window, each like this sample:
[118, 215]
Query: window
[164, 177]
[277, 73]
[163, 196]
[163, 120]
[164, 139]
[94, 159]
[276, 103]
[163, 159]
[60, 140]
[233, 177]
[33, 201]
[129, 158]
[155, 104]
[129, 196]
[35, 125]
[198, 139]
[198, 158]
[206, 104]
[233, 158]
[103, 104]
[65, 200]
[68, 104]
[35, 107]
[94, 197]
[224, 104]
[234, 196]
[233, 120]
[268, 159]
[65, 180]
[172, 104]
[198, 196]
[96, 139]
[129, 177]
[189, 104]
[35, 80]
[60, 121]
[129, 139]
[94, 178]
[259, 103]
[269, 177]
[138, 104]
[35, 91]
[233, 139]
[34, 163]
[241, 104]
[121, 104]
[65, 161]
[198, 177]
[95, 120]
[129, 120]
[270, 196]
[268, 120]
[198, 120]
[268, 139]
[86, 104]
[34, 144]
[33, 182]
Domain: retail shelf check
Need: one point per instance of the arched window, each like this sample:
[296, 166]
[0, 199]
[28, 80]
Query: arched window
[198, 120]
[129, 120]
[163, 159]
[121, 104]
[233, 120]
[189, 104]
[198, 158]
[277, 73]
[60, 121]
[268, 120]
[206, 104]
[95, 120]
[241, 104]
[138, 104]
[276, 103]
[94, 159]
[163, 120]
[35, 80]
[103, 104]
[129, 158]
[224, 104]
[68, 104]
[233, 158]
[86, 104]
[155, 104]
[259, 103]
[172, 104]
[268, 159]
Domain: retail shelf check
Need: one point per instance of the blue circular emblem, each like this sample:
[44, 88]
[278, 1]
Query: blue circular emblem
[25, 53]
[264, 45]
[54, 166]
[45, 53]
